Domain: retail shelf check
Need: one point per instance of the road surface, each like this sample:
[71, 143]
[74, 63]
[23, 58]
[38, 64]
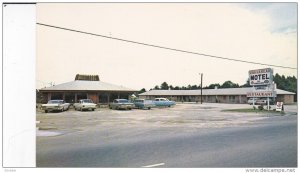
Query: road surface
[270, 142]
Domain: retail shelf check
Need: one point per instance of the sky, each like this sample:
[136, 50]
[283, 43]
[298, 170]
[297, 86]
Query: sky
[257, 32]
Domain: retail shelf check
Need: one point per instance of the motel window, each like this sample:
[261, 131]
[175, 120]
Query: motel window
[231, 98]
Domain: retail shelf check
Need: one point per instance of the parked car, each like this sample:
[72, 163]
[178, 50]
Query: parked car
[143, 104]
[264, 101]
[260, 101]
[250, 101]
[163, 102]
[55, 105]
[121, 104]
[85, 104]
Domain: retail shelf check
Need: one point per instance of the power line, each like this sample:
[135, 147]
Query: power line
[162, 47]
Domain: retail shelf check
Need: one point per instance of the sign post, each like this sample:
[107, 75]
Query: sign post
[268, 104]
[262, 82]
[279, 106]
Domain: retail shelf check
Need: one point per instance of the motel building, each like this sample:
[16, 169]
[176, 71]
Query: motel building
[222, 95]
[86, 87]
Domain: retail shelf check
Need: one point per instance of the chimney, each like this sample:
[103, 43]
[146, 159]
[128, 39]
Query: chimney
[216, 87]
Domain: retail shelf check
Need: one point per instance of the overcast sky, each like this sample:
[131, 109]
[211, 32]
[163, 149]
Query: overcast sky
[259, 32]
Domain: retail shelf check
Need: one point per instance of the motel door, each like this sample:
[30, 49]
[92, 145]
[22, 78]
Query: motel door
[93, 96]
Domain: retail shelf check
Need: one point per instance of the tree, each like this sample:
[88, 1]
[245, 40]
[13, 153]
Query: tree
[142, 90]
[229, 84]
[247, 84]
[171, 87]
[194, 87]
[212, 86]
[286, 83]
[156, 87]
[177, 88]
[164, 86]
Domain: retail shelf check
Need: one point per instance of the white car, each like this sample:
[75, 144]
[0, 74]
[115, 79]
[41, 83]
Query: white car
[55, 105]
[163, 102]
[85, 104]
[250, 101]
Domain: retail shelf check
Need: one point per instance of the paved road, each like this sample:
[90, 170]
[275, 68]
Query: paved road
[271, 142]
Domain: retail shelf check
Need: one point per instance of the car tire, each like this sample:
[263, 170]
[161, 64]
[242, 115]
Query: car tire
[149, 108]
[46, 111]
[93, 109]
[110, 107]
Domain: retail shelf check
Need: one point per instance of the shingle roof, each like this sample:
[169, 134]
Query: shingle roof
[220, 91]
[81, 85]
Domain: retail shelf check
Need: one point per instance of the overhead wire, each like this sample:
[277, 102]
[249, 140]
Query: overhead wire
[163, 47]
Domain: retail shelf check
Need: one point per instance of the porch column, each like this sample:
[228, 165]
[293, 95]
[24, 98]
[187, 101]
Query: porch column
[64, 96]
[97, 99]
[49, 97]
[75, 99]
[108, 96]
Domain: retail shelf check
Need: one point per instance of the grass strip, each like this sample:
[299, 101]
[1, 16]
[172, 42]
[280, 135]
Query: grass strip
[247, 110]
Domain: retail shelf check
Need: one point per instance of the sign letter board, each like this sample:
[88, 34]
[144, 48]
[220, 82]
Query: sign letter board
[261, 77]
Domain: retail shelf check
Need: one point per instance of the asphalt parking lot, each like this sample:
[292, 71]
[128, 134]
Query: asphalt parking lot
[183, 116]
[186, 135]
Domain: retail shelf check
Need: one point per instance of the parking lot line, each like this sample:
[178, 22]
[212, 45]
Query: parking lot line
[155, 165]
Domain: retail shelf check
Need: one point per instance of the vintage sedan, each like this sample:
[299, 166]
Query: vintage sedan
[250, 101]
[264, 101]
[261, 101]
[55, 105]
[85, 104]
[163, 102]
[143, 104]
[121, 104]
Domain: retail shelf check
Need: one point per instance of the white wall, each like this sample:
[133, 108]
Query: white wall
[19, 85]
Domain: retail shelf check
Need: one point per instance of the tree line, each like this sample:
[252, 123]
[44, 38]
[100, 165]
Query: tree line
[288, 83]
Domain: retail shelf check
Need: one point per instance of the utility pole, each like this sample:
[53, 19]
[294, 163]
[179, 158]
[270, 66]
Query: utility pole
[201, 86]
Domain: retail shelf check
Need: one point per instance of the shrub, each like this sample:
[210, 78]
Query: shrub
[261, 107]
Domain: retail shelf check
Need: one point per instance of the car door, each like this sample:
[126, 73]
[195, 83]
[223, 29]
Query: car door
[114, 104]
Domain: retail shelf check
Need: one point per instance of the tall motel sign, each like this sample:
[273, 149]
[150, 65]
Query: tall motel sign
[263, 85]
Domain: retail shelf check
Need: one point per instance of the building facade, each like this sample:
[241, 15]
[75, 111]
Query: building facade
[222, 95]
[86, 87]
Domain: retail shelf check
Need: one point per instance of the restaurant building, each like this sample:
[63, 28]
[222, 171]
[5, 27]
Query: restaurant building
[86, 86]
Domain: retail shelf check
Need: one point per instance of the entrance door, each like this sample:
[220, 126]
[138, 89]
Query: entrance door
[93, 96]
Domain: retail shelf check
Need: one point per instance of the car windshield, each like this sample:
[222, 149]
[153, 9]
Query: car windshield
[55, 101]
[87, 101]
[148, 101]
[123, 101]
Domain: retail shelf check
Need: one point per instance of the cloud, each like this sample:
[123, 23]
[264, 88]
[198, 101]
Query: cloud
[283, 16]
[226, 30]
